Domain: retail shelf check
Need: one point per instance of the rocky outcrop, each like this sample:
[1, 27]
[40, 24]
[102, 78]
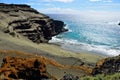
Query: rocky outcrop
[18, 19]
[118, 23]
[24, 68]
[107, 66]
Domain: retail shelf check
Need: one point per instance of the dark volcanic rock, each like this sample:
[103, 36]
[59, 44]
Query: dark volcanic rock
[26, 21]
[118, 23]
[25, 69]
[107, 66]
[58, 27]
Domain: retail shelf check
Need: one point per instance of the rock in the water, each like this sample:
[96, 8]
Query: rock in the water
[24, 68]
[118, 23]
[24, 20]
[107, 66]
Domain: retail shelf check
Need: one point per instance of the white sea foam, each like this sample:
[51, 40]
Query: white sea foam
[70, 30]
[67, 27]
[105, 51]
[63, 41]
[83, 32]
[76, 46]
[113, 23]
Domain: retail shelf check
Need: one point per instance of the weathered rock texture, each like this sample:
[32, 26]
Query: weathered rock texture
[107, 66]
[24, 20]
[24, 68]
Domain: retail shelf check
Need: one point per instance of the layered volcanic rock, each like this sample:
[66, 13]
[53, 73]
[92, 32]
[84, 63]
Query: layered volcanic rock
[107, 66]
[18, 19]
[24, 68]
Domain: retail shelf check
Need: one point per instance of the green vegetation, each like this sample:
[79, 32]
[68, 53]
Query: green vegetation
[115, 76]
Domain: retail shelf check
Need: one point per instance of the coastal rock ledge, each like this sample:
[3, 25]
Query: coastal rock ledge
[21, 19]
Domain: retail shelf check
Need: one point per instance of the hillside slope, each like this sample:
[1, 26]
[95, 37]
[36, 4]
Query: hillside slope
[18, 19]
[24, 29]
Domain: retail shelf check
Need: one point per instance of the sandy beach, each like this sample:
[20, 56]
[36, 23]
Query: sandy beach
[50, 51]
[37, 46]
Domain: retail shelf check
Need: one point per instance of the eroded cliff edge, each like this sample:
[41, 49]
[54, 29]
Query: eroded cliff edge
[23, 20]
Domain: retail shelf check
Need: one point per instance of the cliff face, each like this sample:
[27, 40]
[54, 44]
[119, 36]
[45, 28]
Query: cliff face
[26, 21]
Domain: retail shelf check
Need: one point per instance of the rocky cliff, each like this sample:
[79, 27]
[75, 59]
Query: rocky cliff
[107, 66]
[23, 20]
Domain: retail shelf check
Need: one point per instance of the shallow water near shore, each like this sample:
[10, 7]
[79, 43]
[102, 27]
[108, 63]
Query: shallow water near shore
[88, 34]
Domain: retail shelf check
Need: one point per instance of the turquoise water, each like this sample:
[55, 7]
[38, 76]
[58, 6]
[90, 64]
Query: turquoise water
[99, 35]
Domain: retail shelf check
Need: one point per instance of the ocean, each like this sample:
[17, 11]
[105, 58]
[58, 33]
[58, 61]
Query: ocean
[99, 34]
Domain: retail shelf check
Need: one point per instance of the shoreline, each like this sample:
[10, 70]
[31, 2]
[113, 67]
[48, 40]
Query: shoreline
[78, 47]
[50, 51]
[25, 45]
[61, 56]
[25, 33]
[62, 46]
[59, 51]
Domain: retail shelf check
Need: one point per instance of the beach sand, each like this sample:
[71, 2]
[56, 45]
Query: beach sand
[50, 51]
